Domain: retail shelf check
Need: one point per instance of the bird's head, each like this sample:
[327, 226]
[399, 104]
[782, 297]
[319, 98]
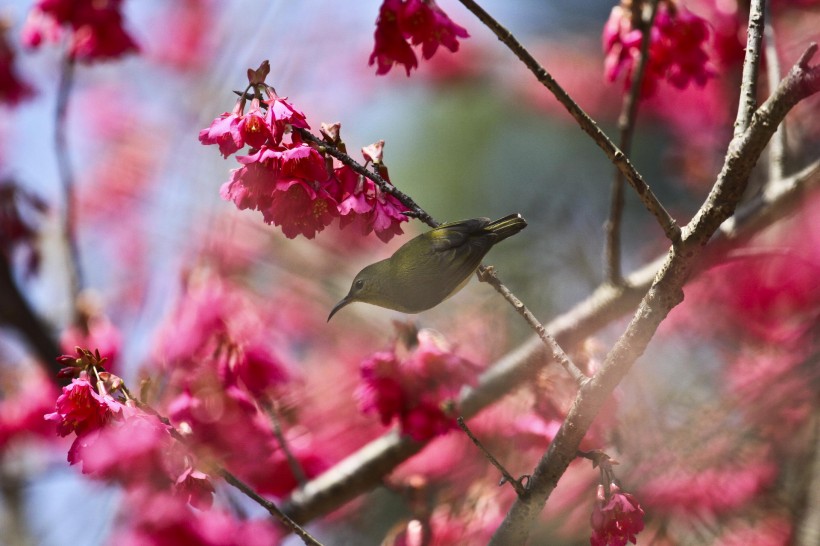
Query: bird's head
[368, 287]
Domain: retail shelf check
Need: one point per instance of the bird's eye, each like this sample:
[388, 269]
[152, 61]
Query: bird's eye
[358, 285]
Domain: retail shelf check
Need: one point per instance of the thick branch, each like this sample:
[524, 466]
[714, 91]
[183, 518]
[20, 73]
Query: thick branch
[665, 293]
[751, 64]
[16, 312]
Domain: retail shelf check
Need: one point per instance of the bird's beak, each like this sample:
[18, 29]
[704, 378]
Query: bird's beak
[338, 306]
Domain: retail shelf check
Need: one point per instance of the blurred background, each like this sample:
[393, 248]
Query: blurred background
[469, 134]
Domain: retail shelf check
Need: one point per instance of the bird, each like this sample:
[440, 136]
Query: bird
[431, 267]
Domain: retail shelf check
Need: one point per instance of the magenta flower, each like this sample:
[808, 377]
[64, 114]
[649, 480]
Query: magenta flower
[80, 409]
[224, 131]
[300, 208]
[390, 47]
[253, 128]
[615, 520]
[282, 116]
[95, 28]
[416, 22]
[427, 25]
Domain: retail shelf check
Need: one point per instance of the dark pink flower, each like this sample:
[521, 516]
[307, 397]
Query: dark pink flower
[80, 409]
[427, 25]
[416, 22]
[615, 520]
[390, 46]
[253, 128]
[95, 28]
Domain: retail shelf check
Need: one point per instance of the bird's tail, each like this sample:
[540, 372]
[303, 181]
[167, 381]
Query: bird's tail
[507, 226]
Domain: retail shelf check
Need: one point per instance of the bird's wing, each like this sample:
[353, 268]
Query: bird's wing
[455, 234]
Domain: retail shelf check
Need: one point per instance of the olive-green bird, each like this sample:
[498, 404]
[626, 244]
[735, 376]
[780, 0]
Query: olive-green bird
[430, 268]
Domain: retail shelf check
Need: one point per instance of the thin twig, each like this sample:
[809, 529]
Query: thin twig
[488, 275]
[293, 462]
[751, 64]
[231, 479]
[587, 124]
[777, 147]
[270, 507]
[516, 484]
[67, 179]
[626, 126]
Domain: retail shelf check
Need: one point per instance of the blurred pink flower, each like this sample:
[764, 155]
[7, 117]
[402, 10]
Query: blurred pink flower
[419, 22]
[615, 520]
[676, 48]
[412, 390]
[164, 519]
[96, 28]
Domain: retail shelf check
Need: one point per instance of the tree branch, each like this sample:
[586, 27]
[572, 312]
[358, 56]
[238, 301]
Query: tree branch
[75, 276]
[664, 294]
[650, 201]
[364, 470]
[751, 64]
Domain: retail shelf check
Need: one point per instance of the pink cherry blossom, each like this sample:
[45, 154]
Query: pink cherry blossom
[81, 409]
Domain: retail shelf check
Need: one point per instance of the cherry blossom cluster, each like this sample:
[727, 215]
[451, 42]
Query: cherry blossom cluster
[95, 29]
[117, 440]
[406, 23]
[289, 181]
[676, 48]
[414, 390]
